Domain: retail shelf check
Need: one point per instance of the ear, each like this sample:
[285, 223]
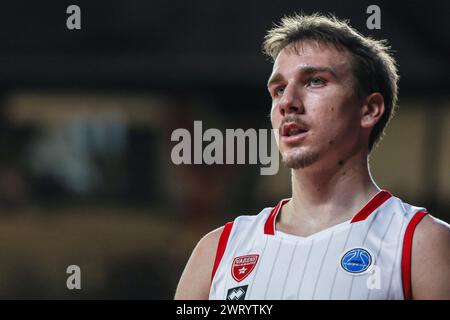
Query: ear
[372, 110]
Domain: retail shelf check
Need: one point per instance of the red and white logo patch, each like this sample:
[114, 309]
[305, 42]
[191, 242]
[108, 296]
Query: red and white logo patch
[242, 266]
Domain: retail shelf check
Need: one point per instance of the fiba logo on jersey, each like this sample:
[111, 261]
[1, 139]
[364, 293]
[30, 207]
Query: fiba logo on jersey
[357, 261]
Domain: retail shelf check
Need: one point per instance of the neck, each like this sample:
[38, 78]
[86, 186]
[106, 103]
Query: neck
[327, 197]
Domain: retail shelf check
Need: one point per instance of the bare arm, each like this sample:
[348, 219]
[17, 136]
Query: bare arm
[196, 278]
[430, 260]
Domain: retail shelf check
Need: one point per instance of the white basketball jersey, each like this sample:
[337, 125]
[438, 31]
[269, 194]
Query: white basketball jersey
[367, 257]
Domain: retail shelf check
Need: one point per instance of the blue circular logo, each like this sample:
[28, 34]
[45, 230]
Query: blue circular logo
[356, 260]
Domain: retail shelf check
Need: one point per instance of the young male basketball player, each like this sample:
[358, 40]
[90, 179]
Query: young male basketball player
[339, 236]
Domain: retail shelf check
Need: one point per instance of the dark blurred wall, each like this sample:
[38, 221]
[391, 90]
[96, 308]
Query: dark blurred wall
[86, 118]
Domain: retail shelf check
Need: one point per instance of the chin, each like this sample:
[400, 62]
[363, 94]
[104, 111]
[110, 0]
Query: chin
[299, 159]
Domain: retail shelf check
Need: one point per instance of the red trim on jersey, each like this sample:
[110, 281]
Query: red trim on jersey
[269, 227]
[406, 254]
[222, 245]
[371, 206]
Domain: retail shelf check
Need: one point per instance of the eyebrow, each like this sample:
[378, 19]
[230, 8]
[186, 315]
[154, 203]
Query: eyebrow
[277, 77]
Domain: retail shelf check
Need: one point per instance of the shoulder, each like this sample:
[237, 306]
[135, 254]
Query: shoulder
[433, 227]
[431, 235]
[195, 280]
[207, 246]
[430, 259]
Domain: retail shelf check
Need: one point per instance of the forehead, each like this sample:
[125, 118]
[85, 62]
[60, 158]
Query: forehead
[312, 53]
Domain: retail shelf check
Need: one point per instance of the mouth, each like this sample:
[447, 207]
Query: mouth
[292, 132]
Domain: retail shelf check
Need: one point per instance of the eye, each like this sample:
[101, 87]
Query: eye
[317, 82]
[278, 90]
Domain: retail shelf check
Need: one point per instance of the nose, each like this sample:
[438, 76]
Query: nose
[290, 102]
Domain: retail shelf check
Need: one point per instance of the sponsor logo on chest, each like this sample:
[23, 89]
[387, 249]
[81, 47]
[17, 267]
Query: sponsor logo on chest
[357, 261]
[237, 293]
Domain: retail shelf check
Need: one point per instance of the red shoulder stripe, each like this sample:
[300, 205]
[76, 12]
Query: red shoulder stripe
[406, 253]
[222, 245]
[371, 206]
[269, 226]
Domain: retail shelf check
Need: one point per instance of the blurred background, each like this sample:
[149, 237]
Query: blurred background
[86, 118]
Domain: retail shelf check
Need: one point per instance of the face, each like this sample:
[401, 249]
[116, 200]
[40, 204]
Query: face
[314, 105]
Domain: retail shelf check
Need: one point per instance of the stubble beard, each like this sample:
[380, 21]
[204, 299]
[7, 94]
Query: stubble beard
[296, 159]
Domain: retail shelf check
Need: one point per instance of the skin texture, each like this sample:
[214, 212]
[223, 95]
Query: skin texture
[339, 124]
[430, 260]
[313, 84]
[195, 281]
